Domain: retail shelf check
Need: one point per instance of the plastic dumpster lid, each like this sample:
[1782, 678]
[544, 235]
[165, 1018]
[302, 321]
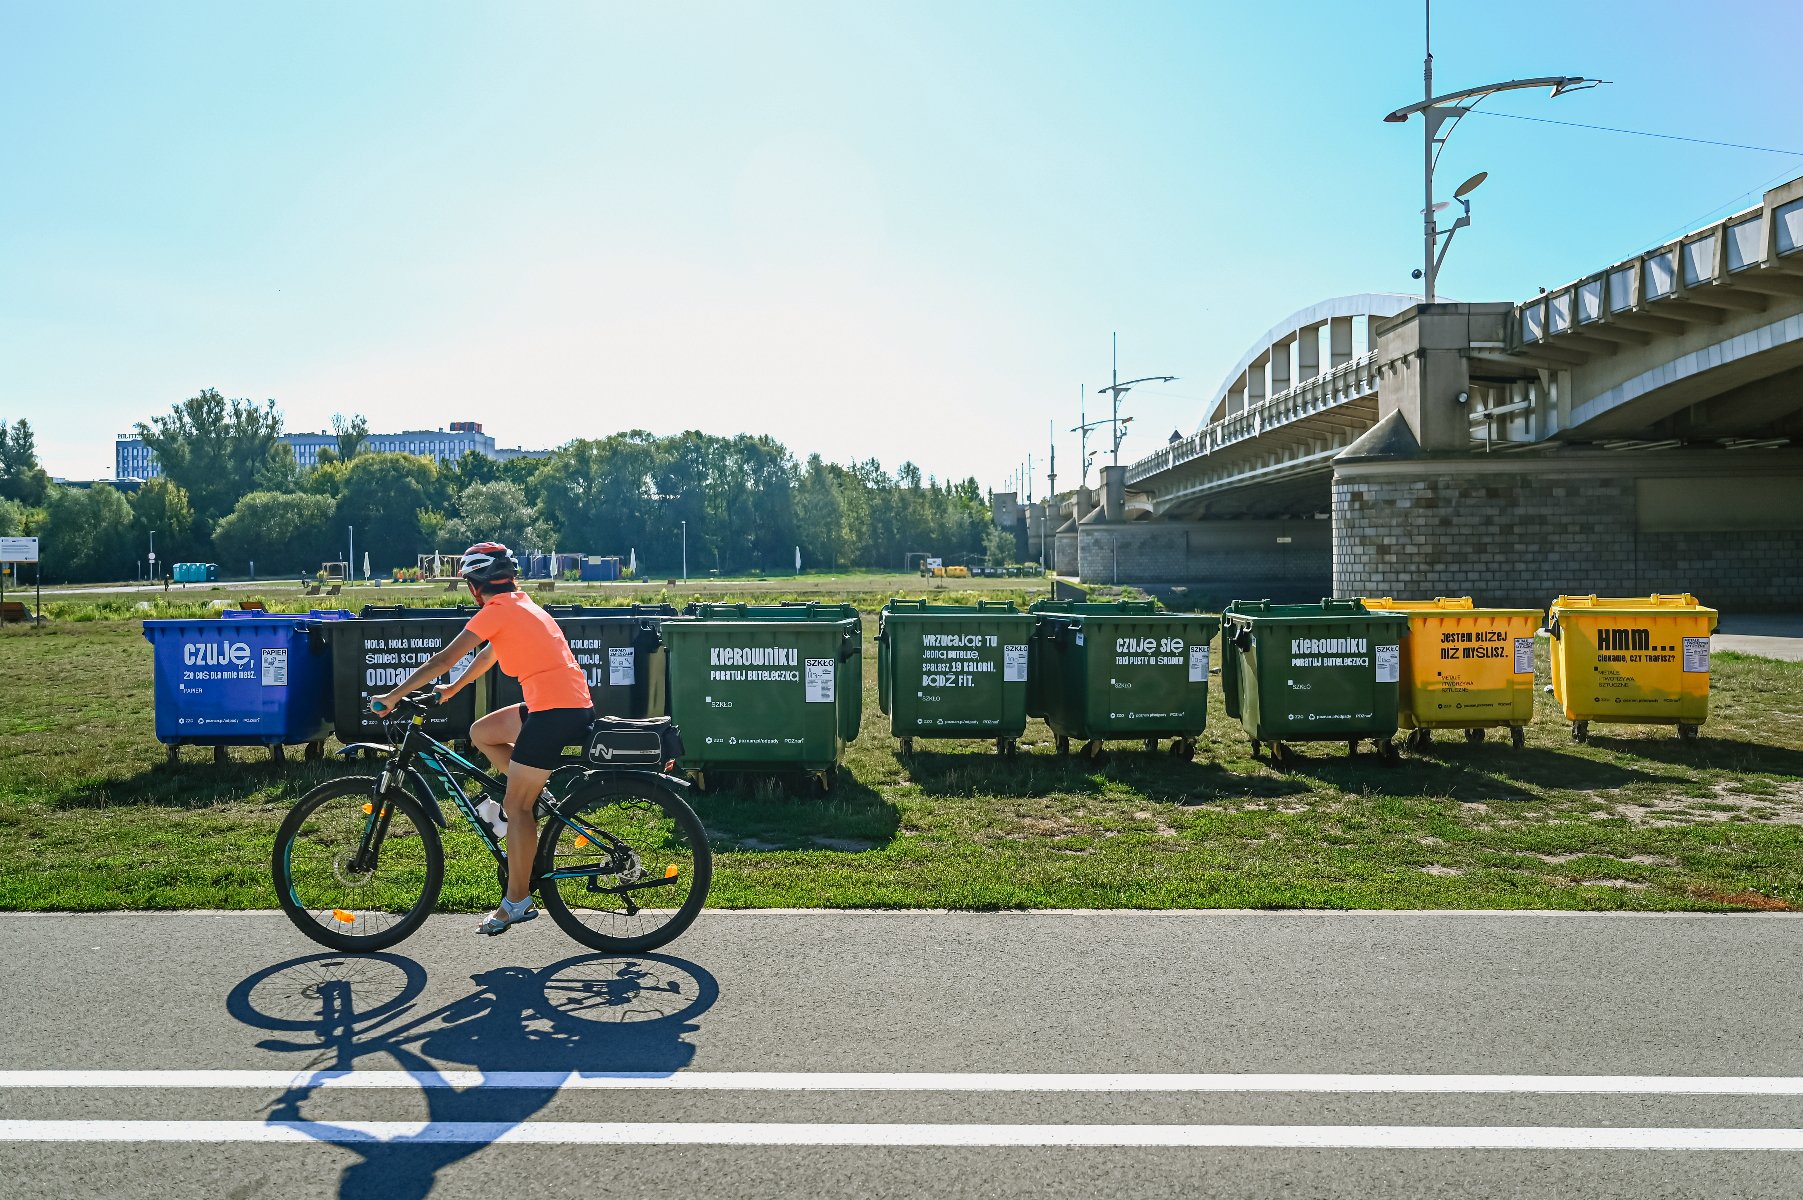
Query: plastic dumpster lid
[951, 610]
[1264, 610]
[1391, 604]
[1680, 600]
[1098, 608]
[386, 612]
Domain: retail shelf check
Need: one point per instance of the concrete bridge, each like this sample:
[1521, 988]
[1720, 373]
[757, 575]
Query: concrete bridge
[1638, 429]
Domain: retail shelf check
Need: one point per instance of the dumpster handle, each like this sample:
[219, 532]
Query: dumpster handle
[1552, 627]
[1242, 637]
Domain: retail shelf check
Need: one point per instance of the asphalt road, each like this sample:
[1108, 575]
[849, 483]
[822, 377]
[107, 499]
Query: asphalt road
[1172, 1024]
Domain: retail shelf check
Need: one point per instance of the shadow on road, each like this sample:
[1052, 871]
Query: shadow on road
[589, 1014]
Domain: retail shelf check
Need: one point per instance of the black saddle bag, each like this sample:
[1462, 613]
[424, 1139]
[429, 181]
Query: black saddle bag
[622, 742]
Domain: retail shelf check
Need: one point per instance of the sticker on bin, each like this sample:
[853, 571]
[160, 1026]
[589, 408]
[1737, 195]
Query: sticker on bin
[1696, 656]
[275, 667]
[1524, 656]
[620, 672]
[820, 680]
[1198, 664]
[1014, 664]
[1389, 664]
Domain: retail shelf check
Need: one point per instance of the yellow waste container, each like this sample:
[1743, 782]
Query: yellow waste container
[1464, 667]
[1637, 661]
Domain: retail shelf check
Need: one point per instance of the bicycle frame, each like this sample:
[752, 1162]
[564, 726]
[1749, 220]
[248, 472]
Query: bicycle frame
[419, 749]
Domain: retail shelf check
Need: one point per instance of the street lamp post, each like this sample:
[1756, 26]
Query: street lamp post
[685, 551]
[153, 557]
[1447, 111]
[1116, 389]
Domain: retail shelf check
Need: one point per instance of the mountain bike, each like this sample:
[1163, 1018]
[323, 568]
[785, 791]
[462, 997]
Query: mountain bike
[622, 865]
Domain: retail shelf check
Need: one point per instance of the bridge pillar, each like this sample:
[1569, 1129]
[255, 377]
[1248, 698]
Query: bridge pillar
[1339, 342]
[1726, 525]
[1114, 494]
[1308, 353]
[1425, 353]
[1218, 560]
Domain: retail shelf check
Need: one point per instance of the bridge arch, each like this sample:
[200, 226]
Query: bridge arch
[1267, 369]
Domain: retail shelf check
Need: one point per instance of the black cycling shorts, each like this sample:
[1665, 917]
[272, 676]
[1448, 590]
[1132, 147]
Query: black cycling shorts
[544, 734]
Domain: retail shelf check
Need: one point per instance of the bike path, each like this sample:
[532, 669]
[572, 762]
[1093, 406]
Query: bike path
[1115, 999]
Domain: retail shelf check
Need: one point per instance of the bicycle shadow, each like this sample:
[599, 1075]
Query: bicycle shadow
[518, 1034]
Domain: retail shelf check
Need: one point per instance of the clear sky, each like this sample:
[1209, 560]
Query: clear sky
[891, 230]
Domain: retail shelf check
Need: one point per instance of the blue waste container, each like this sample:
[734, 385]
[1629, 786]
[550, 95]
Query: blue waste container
[260, 682]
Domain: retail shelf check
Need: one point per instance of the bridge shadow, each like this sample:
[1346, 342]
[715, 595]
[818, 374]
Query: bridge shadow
[588, 1014]
[1471, 773]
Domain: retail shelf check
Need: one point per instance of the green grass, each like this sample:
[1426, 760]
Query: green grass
[90, 818]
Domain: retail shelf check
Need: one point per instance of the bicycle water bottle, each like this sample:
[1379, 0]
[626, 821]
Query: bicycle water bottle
[493, 816]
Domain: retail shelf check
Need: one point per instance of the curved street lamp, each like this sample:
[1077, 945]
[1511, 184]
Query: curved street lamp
[1439, 116]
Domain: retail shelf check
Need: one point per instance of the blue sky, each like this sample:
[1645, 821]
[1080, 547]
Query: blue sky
[872, 230]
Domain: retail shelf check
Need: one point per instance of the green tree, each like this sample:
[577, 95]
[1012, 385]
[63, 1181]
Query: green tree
[599, 494]
[493, 512]
[162, 505]
[352, 434]
[21, 478]
[216, 449]
[384, 499]
[87, 534]
[281, 532]
[819, 515]
[12, 517]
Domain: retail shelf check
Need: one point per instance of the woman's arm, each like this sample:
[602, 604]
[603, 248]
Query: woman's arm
[429, 670]
[485, 658]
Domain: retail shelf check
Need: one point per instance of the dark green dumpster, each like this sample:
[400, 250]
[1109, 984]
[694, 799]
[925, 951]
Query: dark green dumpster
[618, 650]
[1123, 670]
[953, 671]
[851, 671]
[376, 652]
[774, 690]
[1326, 672]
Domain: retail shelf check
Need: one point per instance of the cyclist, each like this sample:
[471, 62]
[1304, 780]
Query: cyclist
[524, 741]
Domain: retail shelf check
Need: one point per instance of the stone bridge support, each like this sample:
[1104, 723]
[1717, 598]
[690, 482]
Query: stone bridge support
[1726, 525]
[1279, 559]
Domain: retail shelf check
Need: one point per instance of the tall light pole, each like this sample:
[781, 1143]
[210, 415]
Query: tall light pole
[1116, 389]
[685, 551]
[1448, 110]
[153, 555]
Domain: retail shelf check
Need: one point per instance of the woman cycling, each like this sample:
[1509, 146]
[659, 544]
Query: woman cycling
[523, 741]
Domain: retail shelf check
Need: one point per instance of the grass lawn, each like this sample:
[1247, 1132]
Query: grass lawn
[90, 818]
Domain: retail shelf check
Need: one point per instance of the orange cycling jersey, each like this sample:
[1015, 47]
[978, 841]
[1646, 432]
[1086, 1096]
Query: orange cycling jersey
[530, 647]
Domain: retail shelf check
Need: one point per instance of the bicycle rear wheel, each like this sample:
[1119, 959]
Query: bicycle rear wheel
[627, 868]
[355, 873]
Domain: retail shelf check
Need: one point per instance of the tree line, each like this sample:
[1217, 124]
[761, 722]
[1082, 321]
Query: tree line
[231, 492]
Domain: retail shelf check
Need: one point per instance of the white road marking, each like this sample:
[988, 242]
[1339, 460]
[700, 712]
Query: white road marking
[568, 1133]
[921, 1081]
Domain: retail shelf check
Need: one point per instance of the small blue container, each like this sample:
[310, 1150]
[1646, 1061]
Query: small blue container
[237, 682]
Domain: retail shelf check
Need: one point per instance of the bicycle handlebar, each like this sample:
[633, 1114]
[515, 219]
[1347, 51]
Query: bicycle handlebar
[421, 701]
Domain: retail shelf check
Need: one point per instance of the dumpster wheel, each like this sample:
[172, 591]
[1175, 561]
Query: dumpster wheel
[907, 746]
[1092, 749]
[1184, 748]
[1387, 752]
[220, 757]
[821, 782]
[1580, 731]
[315, 751]
[1687, 733]
[175, 755]
[1474, 736]
[1064, 744]
[1281, 755]
[1518, 737]
[1152, 745]
[1007, 747]
[1418, 738]
[277, 753]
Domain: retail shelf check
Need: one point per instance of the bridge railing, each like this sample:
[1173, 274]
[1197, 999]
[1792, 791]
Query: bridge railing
[1705, 259]
[1349, 381]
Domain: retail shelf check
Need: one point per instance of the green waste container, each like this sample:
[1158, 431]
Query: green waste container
[1326, 672]
[773, 690]
[375, 653]
[953, 671]
[1122, 670]
[618, 650]
[850, 684]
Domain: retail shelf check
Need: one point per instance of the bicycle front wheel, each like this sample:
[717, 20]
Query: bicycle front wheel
[624, 865]
[354, 871]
